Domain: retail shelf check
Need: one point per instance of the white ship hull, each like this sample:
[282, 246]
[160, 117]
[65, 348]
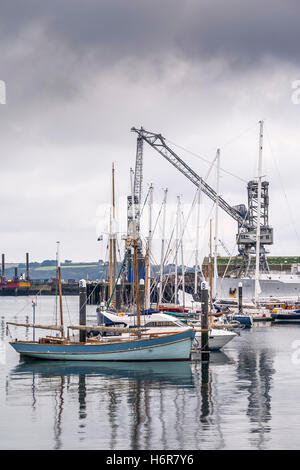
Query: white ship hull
[271, 286]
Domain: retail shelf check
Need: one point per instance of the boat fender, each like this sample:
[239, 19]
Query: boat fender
[232, 292]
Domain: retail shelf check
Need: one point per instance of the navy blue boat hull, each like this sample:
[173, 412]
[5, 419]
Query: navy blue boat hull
[285, 317]
[245, 320]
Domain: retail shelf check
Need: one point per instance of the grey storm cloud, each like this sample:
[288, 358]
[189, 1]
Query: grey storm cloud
[240, 30]
[80, 74]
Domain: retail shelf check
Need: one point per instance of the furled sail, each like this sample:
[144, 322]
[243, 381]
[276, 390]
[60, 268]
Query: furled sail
[30, 325]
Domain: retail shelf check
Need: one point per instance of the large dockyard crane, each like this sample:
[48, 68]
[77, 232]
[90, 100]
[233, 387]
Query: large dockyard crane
[134, 210]
[135, 198]
[246, 218]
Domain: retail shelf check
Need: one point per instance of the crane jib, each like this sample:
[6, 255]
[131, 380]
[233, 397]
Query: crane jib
[157, 141]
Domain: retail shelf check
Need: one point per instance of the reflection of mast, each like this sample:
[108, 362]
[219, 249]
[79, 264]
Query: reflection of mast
[135, 436]
[82, 398]
[59, 411]
[147, 412]
[215, 409]
[112, 414]
[209, 408]
[33, 391]
[162, 420]
[256, 369]
[178, 427]
[205, 391]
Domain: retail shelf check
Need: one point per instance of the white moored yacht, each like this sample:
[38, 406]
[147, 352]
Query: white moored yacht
[159, 322]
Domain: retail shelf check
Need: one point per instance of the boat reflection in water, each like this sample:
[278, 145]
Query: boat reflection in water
[254, 375]
[152, 405]
[177, 373]
[215, 358]
[120, 388]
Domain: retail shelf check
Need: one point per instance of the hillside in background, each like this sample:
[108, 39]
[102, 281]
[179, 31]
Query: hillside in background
[99, 270]
[70, 271]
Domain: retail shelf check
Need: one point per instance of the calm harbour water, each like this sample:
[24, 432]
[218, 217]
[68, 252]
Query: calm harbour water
[246, 398]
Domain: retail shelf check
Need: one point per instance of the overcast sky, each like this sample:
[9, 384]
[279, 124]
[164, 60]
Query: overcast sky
[80, 74]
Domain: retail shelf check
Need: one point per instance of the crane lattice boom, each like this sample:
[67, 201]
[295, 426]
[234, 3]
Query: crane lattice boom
[157, 141]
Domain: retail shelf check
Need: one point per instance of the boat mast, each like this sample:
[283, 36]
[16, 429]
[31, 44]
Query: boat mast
[133, 223]
[216, 227]
[148, 252]
[114, 260]
[110, 256]
[176, 252]
[146, 277]
[182, 260]
[210, 267]
[112, 242]
[197, 238]
[136, 277]
[60, 290]
[56, 286]
[162, 247]
[257, 287]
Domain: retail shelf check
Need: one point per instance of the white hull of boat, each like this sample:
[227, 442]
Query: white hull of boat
[217, 338]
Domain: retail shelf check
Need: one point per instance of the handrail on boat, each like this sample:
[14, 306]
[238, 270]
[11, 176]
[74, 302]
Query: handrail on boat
[109, 329]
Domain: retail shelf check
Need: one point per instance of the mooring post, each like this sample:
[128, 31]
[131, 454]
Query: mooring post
[3, 267]
[82, 309]
[204, 322]
[240, 297]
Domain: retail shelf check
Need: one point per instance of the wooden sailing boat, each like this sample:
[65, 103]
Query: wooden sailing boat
[134, 347]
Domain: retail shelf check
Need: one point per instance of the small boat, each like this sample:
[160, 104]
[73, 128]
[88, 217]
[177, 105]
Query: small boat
[245, 320]
[160, 347]
[286, 316]
[159, 322]
[172, 308]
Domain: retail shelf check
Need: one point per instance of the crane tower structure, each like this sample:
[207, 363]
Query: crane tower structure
[134, 211]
